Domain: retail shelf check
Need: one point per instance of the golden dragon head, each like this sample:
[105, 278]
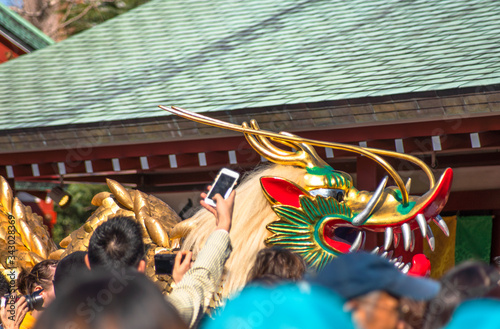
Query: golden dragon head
[328, 216]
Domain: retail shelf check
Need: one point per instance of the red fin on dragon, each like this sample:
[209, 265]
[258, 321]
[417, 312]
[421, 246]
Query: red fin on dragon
[314, 217]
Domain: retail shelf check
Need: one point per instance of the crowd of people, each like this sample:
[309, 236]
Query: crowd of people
[105, 287]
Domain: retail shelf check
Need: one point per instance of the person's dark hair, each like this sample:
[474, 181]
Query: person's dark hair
[273, 265]
[4, 285]
[40, 274]
[469, 280]
[123, 299]
[117, 243]
[493, 293]
[412, 312]
[68, 268]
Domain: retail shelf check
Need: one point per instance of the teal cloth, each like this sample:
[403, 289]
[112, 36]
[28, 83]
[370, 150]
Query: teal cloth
[289, 306]
[477, 314]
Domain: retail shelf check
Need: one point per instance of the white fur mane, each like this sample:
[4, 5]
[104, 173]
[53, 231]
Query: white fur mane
[252, 212]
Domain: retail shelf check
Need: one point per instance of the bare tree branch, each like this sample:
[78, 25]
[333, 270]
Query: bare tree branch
[54, 16]
[38, 13]
[77, 17]
[68, 11]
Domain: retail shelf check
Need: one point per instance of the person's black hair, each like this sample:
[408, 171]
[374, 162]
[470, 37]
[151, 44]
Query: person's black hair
[115, 244]
[68, 268]
[4, 285]
[124, 299]
[469, 280]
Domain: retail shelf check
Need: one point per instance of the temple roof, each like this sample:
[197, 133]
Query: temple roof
[224, 55]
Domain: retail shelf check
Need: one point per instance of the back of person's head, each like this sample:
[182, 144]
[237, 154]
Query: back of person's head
[115, 244]
[292, 305]
[68, 268]
[412, 312]
[469, 280]
[273, 265]
[41, 274]
[4, 285]
[103, 300]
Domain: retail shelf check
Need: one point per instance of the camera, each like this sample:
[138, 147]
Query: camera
[34, 301]
[164, 263]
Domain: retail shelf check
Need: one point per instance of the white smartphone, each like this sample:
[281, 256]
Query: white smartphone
[223, 184]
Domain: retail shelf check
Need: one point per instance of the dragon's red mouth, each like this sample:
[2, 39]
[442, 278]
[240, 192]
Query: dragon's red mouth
[343, 236]
[340, 235]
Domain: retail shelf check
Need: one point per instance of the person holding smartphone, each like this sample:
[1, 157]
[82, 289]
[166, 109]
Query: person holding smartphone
[177, 265]
[193, 292]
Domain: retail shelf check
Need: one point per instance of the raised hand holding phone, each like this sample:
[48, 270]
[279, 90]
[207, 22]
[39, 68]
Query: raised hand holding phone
[223, 212]
[223, 184]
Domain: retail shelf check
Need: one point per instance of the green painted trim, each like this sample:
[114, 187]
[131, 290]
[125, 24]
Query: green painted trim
[404, 210]
[23, 29]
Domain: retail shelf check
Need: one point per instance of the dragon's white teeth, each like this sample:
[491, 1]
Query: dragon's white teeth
[397, 264]
[401, 265]
[430, 239]
[357, 243]
[393, 260]
[375, 250]
[413, 241]
[422, 223]
[396, 240]
[389, 254]
[405, 228]
[429, 231]
[442, 225]
[389, 234]
[400, 259]
[406, 268]
[384, 254]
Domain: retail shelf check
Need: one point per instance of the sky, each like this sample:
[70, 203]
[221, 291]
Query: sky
[11, 2]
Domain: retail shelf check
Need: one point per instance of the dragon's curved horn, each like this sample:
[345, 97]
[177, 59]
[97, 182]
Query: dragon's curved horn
[265, 141]
[305, 156]
[409, 158]
[344, 147]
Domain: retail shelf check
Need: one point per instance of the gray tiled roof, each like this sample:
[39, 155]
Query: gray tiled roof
[224, 55]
